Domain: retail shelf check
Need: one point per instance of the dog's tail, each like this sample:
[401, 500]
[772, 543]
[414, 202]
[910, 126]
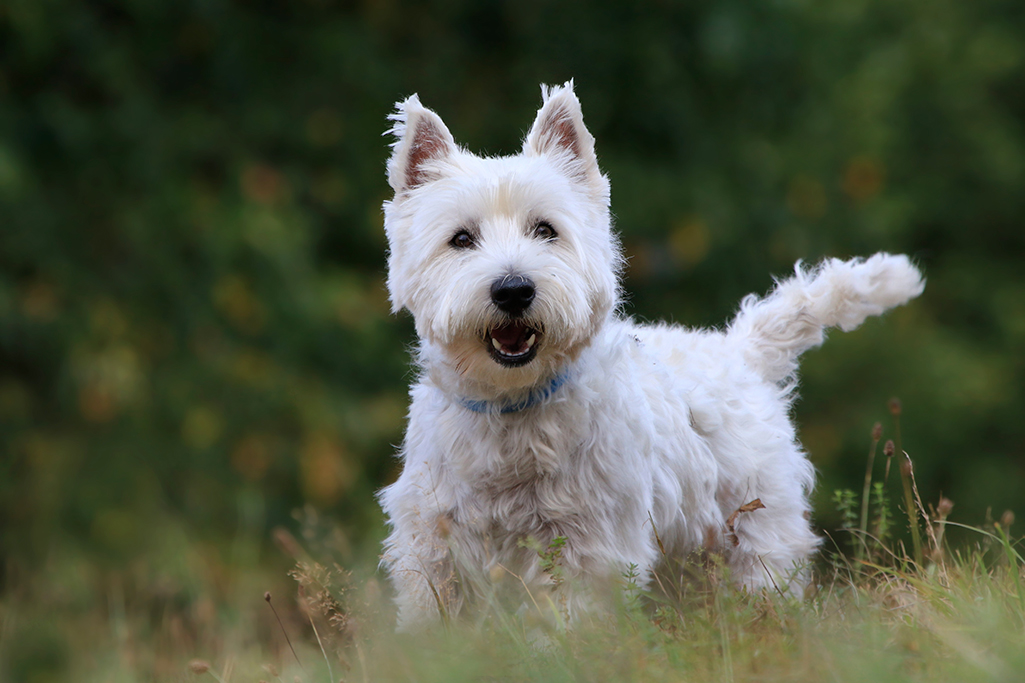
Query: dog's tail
[776, 330]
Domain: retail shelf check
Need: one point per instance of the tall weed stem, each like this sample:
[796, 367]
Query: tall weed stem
[877, 434]
[912, 510]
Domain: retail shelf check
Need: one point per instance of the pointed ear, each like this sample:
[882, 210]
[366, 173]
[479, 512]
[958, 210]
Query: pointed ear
[421, 140]
[559, 131]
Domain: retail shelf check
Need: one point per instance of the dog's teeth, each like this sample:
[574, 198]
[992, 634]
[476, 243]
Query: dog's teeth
[494, 342]
[530, 342]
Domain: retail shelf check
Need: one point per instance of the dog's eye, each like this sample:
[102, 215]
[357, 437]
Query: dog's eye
[545, 231]
[462, 240]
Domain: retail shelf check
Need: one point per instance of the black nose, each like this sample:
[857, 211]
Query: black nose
[512, 294]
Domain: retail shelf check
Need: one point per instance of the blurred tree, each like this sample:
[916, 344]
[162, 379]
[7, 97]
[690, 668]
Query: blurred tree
[192, 307]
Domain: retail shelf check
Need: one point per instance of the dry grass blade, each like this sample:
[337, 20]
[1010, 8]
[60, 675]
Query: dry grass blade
[731, 521]
[267, 597]
[658, 539]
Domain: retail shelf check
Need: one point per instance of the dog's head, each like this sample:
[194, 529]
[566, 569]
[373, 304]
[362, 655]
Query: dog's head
[508, 265]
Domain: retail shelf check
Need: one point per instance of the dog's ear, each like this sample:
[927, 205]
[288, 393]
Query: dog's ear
[559, 132]
[421, 141]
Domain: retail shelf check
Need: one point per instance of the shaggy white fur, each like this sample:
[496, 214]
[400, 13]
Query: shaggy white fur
[540, 412]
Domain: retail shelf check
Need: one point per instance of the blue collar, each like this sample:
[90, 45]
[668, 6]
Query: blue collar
[530, 401]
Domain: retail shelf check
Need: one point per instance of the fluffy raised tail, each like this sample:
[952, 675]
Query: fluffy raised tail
[775, 330]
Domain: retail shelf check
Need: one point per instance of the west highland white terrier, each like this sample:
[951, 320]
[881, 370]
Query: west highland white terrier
[542, 413]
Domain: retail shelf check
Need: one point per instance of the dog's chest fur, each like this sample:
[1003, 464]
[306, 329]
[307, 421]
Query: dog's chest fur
[524, 472]
[597, 454]
[536, 478]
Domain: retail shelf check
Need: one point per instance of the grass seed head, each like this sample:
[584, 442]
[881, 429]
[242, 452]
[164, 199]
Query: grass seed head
[877, 431]
[444, 525]
[944, 507]
[1007, 519]
[888, 448]
[895, 406]
[198, 666]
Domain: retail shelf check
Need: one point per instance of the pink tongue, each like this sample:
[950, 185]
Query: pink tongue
[511, 337]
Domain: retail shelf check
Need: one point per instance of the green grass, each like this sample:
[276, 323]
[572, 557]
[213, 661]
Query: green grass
[960, 618]
[879, 610]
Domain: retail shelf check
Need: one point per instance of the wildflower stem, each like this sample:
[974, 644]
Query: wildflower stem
[1013, 559]
[912, 510]
[877, 434]
[266, 596]
[330, 674]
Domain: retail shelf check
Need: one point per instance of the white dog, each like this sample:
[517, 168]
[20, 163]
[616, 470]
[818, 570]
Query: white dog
[540, 412]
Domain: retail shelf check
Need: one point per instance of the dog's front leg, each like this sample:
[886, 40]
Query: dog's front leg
[422, 570]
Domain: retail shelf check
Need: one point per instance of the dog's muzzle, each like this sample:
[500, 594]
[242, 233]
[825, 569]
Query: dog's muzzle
[514, 342]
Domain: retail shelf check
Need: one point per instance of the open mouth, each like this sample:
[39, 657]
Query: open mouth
[513, 343]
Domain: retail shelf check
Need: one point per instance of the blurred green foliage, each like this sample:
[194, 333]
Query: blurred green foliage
[193, 320]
